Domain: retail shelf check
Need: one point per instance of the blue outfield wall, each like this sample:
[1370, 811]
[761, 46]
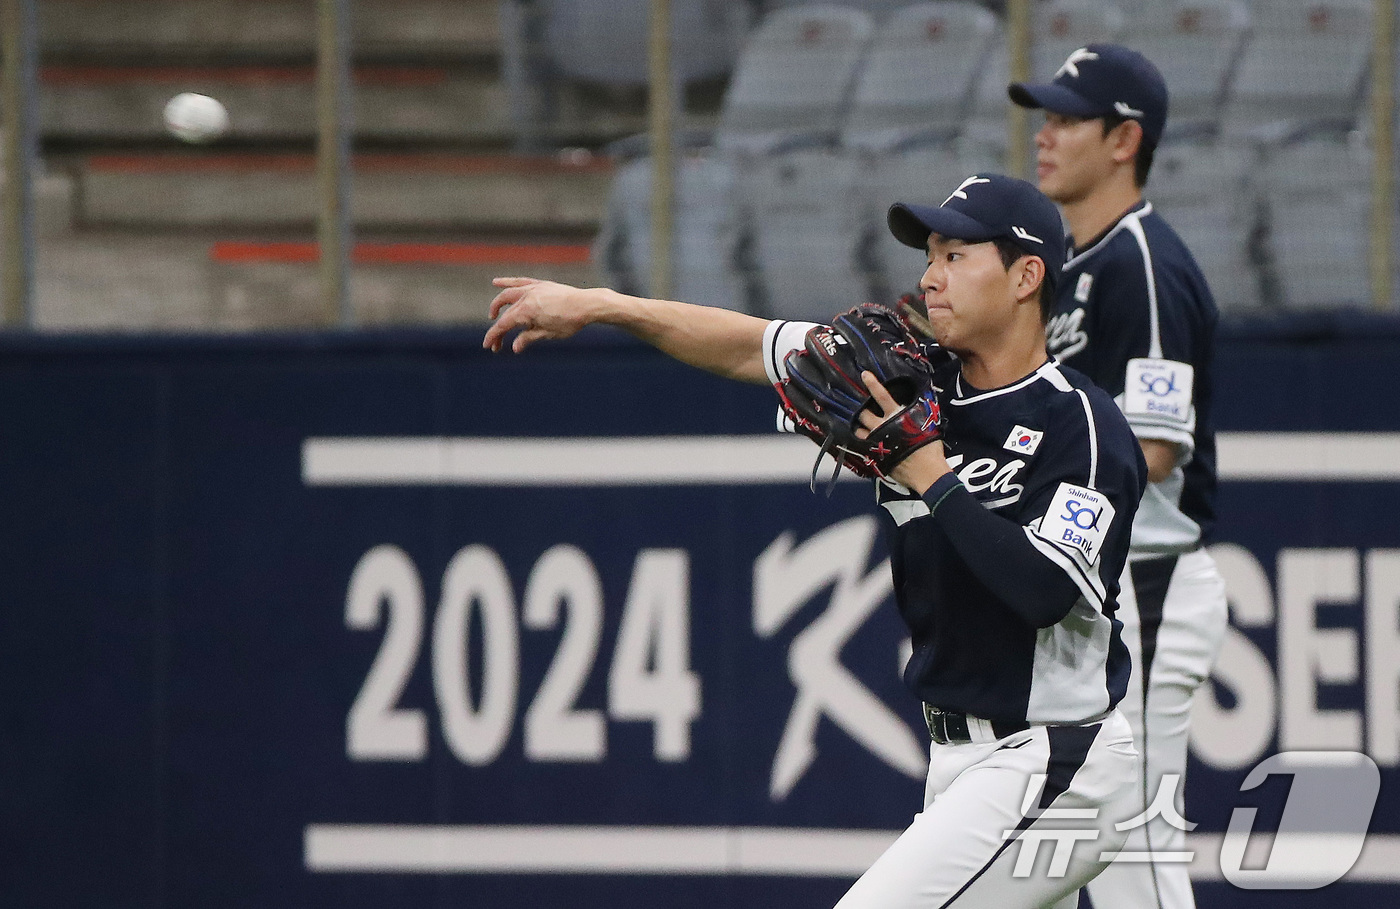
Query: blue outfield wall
[340, 621]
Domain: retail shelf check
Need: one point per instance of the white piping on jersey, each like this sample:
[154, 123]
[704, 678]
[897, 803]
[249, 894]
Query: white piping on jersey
[1135, 228]
[1044, 372]
[1093, 440]
[1088, 581]
[1132, 222]
[1079, 256]
[1057, 378]
[776, 345]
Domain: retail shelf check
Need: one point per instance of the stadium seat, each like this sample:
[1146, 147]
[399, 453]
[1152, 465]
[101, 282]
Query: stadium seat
[793, 79]
[705, 233]
[1059, 27]
[806, 216]
[919, 74]
[605, 41]
[1302, 67]
[877, 8]
[1317, 195]
[1206, 192]
[925, 175]
[1194, 43]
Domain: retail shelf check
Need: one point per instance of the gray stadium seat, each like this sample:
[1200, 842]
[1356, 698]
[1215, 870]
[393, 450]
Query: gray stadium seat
[794, 78]
[1318, 198]
[809, 230]
[924, 175]
[1205, 191]
[1059, 27]
[877, 8]
[705, 234]
[1194, 43]
[605, 41]
[1303, 65]
[919, 73]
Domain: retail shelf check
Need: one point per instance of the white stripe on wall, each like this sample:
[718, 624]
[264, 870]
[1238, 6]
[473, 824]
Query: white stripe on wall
[1337, 456]
[752, 459]
[744, 851]
[593, 850]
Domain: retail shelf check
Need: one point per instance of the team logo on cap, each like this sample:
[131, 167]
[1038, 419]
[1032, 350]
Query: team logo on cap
[1025, 234]
[959, 194]
[1125, 111]
[1023, 440]
[1071, 65]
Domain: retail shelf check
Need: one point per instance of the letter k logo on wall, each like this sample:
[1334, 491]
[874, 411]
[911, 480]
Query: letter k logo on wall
[787, 577]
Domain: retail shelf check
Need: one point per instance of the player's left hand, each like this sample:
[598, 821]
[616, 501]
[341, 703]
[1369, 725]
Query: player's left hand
[924, 465]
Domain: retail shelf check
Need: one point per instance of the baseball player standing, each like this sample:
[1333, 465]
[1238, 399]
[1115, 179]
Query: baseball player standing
[1133, 313]
[1007, 538]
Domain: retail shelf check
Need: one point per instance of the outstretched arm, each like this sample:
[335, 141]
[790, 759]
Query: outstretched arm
[720, 341]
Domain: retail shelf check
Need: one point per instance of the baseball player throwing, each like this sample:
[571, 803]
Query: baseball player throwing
[1134, 314]
[1007, 538]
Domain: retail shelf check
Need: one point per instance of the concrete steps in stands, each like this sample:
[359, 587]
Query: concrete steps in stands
[426, 71]
[117, 281]
[123, 103]
[416, 192]
[393, 104]
[226, 245]
[156, 30]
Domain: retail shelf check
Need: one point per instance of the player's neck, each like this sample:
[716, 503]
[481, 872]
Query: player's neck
[1100, 208]
[995, 366]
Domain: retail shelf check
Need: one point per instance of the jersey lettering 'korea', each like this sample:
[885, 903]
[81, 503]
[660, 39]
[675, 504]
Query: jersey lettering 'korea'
[1135, 315]
[1053, 457]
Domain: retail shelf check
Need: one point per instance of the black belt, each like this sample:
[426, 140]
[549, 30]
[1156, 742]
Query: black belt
[950, 728]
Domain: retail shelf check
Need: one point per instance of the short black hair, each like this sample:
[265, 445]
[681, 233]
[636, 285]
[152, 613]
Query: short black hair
[1147, 149]
[1010, 254]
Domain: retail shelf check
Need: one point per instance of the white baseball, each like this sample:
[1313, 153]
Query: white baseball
[195, 118]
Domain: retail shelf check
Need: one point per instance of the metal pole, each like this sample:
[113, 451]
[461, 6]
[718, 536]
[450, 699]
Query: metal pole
[21, 158]
[661, 110]
[333, 129]
[521, 74]
[1383, 161]
[1018, 48]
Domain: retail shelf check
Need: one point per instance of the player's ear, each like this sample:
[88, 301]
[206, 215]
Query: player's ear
[1127, 139]
[1031, 277]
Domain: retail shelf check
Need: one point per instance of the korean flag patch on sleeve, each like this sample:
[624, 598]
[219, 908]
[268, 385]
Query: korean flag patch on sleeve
[1078, 519]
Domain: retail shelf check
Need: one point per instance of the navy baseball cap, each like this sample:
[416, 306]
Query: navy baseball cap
[1100, 80]
[987, 207]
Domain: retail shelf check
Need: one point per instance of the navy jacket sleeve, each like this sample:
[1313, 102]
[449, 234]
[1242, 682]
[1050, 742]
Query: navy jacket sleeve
[999, 553]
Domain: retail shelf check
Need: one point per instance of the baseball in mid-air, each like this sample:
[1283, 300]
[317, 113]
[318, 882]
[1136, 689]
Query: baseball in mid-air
[195, 118]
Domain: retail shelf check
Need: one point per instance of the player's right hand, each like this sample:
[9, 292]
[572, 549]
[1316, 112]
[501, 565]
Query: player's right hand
[537, 309]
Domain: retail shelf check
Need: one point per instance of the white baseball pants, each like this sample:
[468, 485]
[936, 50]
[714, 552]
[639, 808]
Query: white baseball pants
[1174, 614]
[957, 852]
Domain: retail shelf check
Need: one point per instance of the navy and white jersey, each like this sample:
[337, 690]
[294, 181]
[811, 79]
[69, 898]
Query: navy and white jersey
[1134, 314]
[1012, 610]
[1006, 570]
